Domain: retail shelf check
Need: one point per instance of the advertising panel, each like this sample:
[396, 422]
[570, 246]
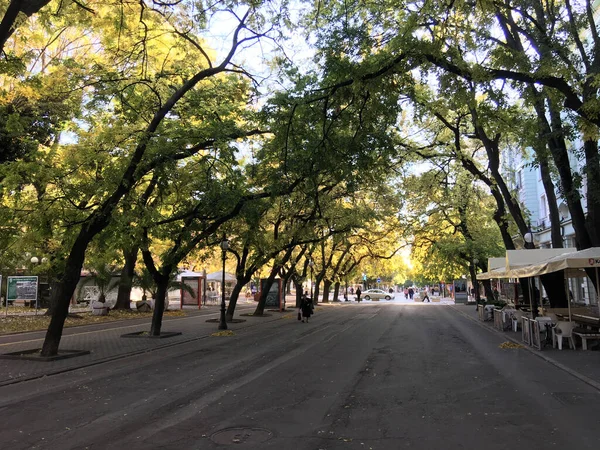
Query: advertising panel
[22, 288]
[275, 295]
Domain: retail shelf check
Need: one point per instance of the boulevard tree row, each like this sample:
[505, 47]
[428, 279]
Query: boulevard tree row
[479, 81]
[127, 137]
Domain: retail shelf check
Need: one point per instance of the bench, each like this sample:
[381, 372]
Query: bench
[585, 336]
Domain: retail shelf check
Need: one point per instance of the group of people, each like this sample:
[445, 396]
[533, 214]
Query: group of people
[307, 307]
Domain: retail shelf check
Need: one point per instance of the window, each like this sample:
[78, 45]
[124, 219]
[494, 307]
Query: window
[519, 180]
[543, 206]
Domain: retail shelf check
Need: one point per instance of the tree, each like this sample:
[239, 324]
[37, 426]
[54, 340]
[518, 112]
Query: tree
[141, 158]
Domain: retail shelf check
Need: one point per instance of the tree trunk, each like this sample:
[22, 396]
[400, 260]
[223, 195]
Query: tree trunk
[53, 285]
[473, 274]
[336, 291]
[61, 295]
[316, 293]
[560, 154]
[260, 308]
[326, 288]
[592, 172]
[545, 141]
[554, 284]
[235, 294]
[298, 285]
[287, 283]
[500, 216]
[555, 234]
[159, 306]
[10, 18]
[489, 292]
[126, 281]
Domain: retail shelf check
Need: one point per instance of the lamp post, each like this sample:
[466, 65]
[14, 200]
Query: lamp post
[475, 283]
[34, 262]
[528, 238]
[222, 323]
[311, 264]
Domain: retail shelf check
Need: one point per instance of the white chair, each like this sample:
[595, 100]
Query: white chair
[561, 330]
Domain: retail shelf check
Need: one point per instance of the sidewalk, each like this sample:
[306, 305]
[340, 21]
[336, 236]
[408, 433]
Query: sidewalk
[105, 343]
[584, 365]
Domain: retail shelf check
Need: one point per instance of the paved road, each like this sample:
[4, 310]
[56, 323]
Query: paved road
[369, 376]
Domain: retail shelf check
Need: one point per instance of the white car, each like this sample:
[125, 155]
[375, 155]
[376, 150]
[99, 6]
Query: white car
[376, 294]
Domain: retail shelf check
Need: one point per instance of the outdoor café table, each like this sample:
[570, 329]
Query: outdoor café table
[588, 327]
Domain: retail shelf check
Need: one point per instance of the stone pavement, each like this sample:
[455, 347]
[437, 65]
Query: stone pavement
[584, 365]
[105, 343]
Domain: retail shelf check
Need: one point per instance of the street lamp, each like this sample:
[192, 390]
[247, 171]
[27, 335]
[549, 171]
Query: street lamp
[475, 284]
[35, 261]
[222, 323]
[528, 238]
[311, 264]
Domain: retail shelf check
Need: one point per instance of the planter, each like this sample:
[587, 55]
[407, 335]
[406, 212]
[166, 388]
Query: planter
[34, 355]
[143, 306]
[99, 309]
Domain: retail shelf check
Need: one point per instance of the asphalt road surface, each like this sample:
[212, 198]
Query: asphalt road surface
[368, 376]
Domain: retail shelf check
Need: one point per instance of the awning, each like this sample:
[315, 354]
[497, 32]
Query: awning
[495, 263]
[516, 260]
[218, 276]
[189, 274]
[520, 258]
[499, 272]
[574, 262]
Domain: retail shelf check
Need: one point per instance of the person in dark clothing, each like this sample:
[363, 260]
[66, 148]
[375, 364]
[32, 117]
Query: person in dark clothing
[411, 292]
[306, 307]
[358, 292]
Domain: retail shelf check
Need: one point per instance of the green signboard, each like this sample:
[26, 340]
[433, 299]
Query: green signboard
[22, 288]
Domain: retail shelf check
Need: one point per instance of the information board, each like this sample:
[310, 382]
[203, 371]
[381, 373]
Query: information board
[22, 288]
[274, 295]
[187, 298]
[460, 291]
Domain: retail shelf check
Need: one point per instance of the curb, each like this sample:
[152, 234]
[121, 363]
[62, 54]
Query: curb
[552, 361]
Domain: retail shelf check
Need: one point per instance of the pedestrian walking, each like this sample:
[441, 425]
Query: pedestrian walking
[411, 292]
[358, 292]
[426, 296]
[307, 307]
